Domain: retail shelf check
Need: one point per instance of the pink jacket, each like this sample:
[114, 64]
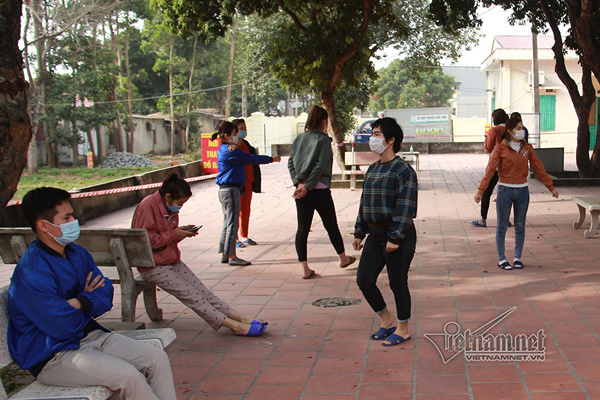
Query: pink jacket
[152, 215]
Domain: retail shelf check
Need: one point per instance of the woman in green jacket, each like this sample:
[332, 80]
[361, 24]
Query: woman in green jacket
[310, 165]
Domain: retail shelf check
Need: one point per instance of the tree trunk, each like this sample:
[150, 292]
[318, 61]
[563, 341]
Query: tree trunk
[15, 128]
[171, 107]
[232, 35]
[189, 103]
[129, 105]
[327, 98]
[100, 142]
[91, 143]
[588, 167]
[118, 138]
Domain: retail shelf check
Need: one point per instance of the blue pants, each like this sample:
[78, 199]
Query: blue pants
[507, 198]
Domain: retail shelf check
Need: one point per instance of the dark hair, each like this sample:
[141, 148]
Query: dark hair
[175, 186]
[226, 127]
[516, 115]
[315, 117]
[510, 125]
[41, 203]
[499, 116]
[238, 121]
[390, 129]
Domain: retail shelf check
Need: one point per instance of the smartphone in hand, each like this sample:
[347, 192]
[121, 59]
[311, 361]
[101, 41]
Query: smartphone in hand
[194, 229]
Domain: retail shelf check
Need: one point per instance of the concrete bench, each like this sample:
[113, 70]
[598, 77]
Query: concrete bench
[159, 338]
[591, 204]
[125, 249]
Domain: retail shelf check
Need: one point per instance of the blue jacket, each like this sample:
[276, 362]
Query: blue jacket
[231, 165]
[41, 322]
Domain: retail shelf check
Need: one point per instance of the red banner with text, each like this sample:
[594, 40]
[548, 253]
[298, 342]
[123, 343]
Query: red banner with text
[209, 153]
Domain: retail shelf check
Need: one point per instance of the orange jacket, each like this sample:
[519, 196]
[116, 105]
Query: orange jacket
[493, 137]
[513, 167]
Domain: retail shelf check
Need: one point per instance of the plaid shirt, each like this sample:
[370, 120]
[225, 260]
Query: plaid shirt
[389, 195]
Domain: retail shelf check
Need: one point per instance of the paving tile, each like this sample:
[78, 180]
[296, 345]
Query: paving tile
[512, 391]
[387, 374]
[275, 392]
[283, 375]
[551, 381]
[489, 373]
[374, 392]
[442, 384]
[189, 375]
[226, 384]
[326, 384]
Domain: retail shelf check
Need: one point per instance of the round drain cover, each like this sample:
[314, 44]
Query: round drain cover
[335, 302]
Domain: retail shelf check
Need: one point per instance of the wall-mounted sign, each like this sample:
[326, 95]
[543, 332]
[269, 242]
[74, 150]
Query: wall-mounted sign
[209, 153]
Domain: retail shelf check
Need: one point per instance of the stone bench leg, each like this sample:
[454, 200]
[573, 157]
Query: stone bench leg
[593, 226]
[154, 313]
[577, 225]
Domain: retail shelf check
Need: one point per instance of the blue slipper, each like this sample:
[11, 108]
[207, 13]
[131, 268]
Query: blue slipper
[382, 333]
[250, 242]
[257, 322]
[255, 330]
[479, 222]
[394, 340]
[240, 244]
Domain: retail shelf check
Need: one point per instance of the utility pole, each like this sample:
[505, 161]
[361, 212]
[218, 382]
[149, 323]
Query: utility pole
[536, 88]
[244, 102]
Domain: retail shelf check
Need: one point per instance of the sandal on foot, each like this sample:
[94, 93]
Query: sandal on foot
[250, 242]
[517, 265]
[394, 340]
[255, 330]
[240, 244]
[505, 265]
[257, 322]
[238, 262]
[350, 262]
[382, 333]
[479, 222]
[312, 274]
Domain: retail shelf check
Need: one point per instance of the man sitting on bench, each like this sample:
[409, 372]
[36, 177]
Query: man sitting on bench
[55, 293]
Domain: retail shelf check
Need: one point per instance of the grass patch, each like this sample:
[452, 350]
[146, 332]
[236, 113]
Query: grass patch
[74, 178]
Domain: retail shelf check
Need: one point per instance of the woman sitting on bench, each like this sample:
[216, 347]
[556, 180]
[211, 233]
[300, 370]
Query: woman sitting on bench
[158, 213]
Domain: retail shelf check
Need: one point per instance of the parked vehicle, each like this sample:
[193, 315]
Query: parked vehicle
[363, 133]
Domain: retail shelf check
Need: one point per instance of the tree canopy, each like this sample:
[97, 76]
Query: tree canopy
[401, 86]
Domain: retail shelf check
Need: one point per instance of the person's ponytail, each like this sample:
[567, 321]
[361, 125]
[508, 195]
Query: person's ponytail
[175, 186]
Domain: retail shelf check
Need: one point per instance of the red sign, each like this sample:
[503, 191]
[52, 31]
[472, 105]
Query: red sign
[209, 153]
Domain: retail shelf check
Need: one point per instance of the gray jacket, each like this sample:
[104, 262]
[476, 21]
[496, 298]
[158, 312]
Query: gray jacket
[311, 159]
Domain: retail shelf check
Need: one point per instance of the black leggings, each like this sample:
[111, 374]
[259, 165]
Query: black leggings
[372, 261]
[320, 200]
[485, 198]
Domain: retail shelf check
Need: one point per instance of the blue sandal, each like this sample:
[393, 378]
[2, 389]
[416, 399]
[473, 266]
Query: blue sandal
[255, 330]
[382, 333]
[250, 242]
[395, 340]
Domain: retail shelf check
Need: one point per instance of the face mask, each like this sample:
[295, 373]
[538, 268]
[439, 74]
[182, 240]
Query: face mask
[243, 134]
[174, 208]
[234, 139]
[70, 232]
[376, 145]
[520, 134]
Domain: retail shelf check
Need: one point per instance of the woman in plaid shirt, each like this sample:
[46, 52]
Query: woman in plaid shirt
[388, 206]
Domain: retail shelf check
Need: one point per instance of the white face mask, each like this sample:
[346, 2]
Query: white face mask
[234, 139]
[376, 145]
[520, 134]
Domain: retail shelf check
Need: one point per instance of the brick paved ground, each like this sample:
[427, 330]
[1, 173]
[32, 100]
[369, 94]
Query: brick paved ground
[315, 353]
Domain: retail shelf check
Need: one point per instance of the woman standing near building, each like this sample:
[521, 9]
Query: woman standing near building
[512, 157]
[232, 180]
[310, 165]
[388, 207]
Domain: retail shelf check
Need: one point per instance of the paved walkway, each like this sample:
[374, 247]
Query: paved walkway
[325, 353]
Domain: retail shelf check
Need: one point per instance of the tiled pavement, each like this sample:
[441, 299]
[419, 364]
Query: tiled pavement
[325, 353]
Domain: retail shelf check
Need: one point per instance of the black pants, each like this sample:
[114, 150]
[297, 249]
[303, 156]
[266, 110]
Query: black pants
[374, 258]
[320, 200]
[485, 198]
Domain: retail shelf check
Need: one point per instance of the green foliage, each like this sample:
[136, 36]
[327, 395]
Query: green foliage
[347, 102]
[404, 85]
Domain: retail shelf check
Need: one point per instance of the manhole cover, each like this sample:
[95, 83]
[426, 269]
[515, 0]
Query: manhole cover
[335, 302]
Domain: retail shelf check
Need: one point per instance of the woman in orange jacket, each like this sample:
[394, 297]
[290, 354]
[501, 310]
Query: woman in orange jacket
[512, 157]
